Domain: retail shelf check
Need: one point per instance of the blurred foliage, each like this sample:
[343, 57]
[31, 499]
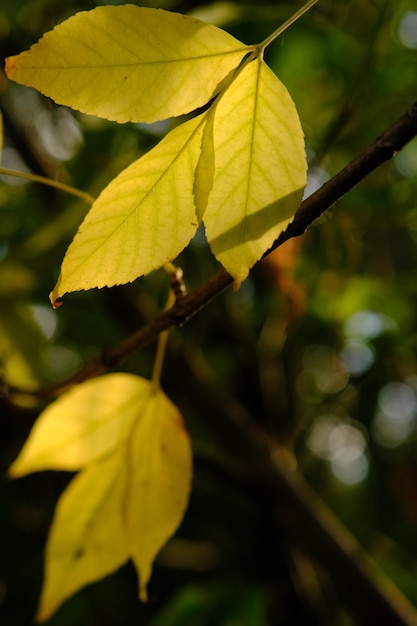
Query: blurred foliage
[319, 345]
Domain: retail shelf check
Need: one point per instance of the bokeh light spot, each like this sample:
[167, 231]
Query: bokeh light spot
[407, 29]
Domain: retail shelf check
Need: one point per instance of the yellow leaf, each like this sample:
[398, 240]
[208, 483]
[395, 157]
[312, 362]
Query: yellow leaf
[87, 540]
[260, 168]
[141, 220]
[204, 173]
[159, 482]
[129, 63]
[86, 423]
[132, 491]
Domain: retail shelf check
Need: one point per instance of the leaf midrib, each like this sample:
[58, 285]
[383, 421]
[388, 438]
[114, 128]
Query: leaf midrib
[137, 64]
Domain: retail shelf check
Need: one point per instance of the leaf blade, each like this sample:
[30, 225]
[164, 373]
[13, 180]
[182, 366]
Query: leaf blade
[141, 68]
[87, 539]
[260, 170]
[141, 220]
[159, 482]
[84, 424]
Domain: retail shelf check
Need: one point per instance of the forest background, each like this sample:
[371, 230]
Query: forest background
[316, 353]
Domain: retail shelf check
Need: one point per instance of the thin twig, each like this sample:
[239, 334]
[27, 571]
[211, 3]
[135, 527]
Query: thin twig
[174, 274]
[49, 182]
[287, 24]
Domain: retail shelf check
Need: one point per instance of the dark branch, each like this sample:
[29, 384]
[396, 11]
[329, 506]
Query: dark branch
[381, 150]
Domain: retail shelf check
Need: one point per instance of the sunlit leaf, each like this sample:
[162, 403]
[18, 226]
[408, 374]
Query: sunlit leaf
[204, 173]
[129, 63]
[159, 482]
[142, 219]
[87, 539]
[260, 168]
[83, 425]
[133, 489]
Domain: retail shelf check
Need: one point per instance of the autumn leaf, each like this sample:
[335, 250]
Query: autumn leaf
[142, 219]
[87, 539]
[159, 482]
[129, 63]
[83, 425]
[260, 168]
[241, 164]
[131, 494]
[204, 172]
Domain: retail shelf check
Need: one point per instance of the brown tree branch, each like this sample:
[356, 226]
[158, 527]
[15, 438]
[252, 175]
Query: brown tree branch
[381, 150]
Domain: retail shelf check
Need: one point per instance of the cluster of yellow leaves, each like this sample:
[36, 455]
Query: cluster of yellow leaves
[239, 166]
[134, 455]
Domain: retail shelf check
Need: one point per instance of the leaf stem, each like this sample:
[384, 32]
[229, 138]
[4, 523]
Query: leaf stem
[160, 350]
[286, 24]
[50, 183]
[175, 276]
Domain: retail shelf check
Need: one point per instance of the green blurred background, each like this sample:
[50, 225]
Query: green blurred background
[319, 346]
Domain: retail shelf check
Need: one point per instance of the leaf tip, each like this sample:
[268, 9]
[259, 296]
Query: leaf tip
[56, 303]
[143, 593]
[18, 469]
[55, 297]
[11, 472]
[10, 67]
[42, 615]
